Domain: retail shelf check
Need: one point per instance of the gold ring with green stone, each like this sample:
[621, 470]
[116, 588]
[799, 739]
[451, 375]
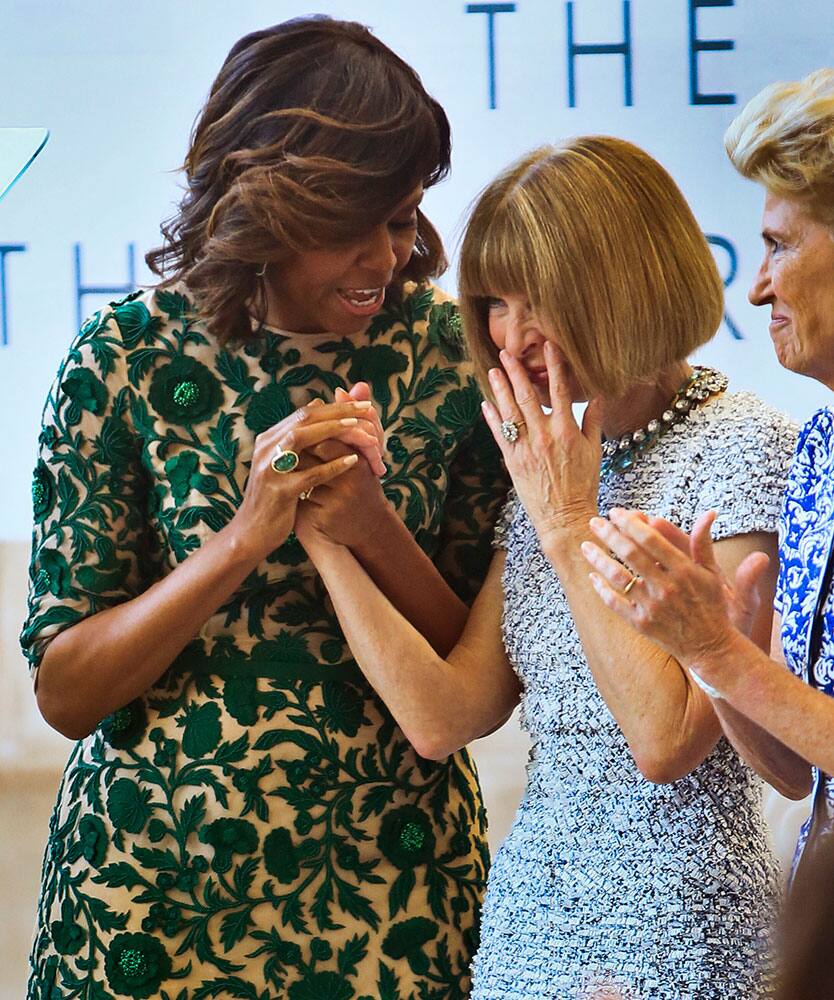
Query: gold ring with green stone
[283, 461]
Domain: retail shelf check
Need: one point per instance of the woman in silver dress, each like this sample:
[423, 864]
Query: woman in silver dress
[638, 863]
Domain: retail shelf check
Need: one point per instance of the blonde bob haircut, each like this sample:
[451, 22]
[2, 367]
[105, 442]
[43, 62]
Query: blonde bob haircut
[784, 140]
[598, 237]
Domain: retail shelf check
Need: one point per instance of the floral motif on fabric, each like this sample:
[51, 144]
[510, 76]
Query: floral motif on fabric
[255, 825]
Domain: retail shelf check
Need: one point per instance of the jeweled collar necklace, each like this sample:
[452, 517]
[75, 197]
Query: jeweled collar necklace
[620, 453]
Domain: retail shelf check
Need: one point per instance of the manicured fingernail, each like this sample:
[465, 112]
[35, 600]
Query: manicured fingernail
[363, 404]
[587, 548]
[349, 421]
[493, 374]
[596, 522]
[350, 460]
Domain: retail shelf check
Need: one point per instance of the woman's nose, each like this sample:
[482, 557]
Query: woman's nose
[522, 333]
[378, 253]
[760, 291]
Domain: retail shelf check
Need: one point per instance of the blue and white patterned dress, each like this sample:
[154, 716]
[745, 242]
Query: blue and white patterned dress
[608, 882]
[804, 594]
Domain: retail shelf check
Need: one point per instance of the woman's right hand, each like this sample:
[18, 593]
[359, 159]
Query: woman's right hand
[267, 514]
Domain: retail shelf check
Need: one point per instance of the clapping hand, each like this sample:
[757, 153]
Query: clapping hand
[680, 599]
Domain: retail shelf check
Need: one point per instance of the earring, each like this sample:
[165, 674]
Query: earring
[261, 270]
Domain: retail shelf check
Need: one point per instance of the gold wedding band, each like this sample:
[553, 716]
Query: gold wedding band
[630, 584]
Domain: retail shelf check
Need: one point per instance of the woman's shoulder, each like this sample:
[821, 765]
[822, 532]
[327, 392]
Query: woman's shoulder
[742, 461]
[743, 423]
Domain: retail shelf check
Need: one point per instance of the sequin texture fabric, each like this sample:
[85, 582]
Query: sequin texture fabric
[608, 884]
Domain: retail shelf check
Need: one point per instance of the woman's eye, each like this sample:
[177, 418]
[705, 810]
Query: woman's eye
[399, 225]
[493, 302]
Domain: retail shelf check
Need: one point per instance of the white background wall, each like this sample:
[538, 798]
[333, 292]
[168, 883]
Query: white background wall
[119, 84]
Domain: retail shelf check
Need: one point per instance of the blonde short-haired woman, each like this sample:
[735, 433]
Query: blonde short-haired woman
[781, 719]
[638, 863]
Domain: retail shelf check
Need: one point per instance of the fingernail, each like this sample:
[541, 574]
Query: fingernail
[493, 374]
[350, 460]
[596, 522]
[363, 404]
[587, 548]
[349, 421]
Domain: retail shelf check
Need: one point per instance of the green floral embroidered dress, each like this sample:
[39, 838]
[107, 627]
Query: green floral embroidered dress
[256, 825]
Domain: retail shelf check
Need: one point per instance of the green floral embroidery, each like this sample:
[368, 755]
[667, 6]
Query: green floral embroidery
[127, 806]
[53, 573]
[408, 939]
[322, 986]
[202, 729]
[115, 446]
[268, 407]
[86, 390]
[376, 365]
[280, 858]
[185, 391]
[258, 801]
[43, 491]
[125, 728]
[406, 837]
[184, 477]
[92, 841]
[228, 837]
[136, 323]
[136, 965]
[69, 936]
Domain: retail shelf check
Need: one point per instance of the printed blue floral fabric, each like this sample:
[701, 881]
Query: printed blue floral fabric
[806, 536]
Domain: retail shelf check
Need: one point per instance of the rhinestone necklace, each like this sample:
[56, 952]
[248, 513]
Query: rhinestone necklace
[620, 453]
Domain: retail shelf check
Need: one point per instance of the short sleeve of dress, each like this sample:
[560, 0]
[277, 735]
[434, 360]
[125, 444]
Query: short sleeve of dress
[501, 535]
[90, 548]
[745, 487]
[478, 485]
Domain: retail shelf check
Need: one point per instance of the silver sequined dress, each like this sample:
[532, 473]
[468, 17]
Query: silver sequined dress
[609, 885]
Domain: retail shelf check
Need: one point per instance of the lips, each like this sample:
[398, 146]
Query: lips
[362, 301]
[538, 376]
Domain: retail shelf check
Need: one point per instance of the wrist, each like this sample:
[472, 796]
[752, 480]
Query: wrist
[717, 661]
[562, 540]
[242, 549]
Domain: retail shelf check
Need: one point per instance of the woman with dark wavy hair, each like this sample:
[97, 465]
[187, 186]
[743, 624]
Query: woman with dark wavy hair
[240, 815]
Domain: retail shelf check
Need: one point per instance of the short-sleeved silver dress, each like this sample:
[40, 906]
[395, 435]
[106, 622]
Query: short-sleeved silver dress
[608, 884]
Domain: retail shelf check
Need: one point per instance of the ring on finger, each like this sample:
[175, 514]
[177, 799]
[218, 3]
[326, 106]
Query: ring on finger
[306, 494]
[635, 579]
[282, 461]
[510, 430]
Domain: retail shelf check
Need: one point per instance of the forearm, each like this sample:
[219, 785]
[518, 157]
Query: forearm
[107, 660]
[665, 720]
[768, 694]
[785, 770]
[411, 582]
[438, 703]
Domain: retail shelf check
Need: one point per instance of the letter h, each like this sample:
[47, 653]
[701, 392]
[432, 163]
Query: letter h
[621, 49]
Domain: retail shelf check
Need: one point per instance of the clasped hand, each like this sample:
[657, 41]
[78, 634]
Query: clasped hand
[331, 440]
[349, 509]
[554, 464]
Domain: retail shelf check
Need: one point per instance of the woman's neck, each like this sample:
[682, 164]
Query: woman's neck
[643, 402]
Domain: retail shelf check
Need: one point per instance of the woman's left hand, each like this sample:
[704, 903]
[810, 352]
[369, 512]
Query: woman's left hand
[554, 464]
[678, 598]
[351, 514]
